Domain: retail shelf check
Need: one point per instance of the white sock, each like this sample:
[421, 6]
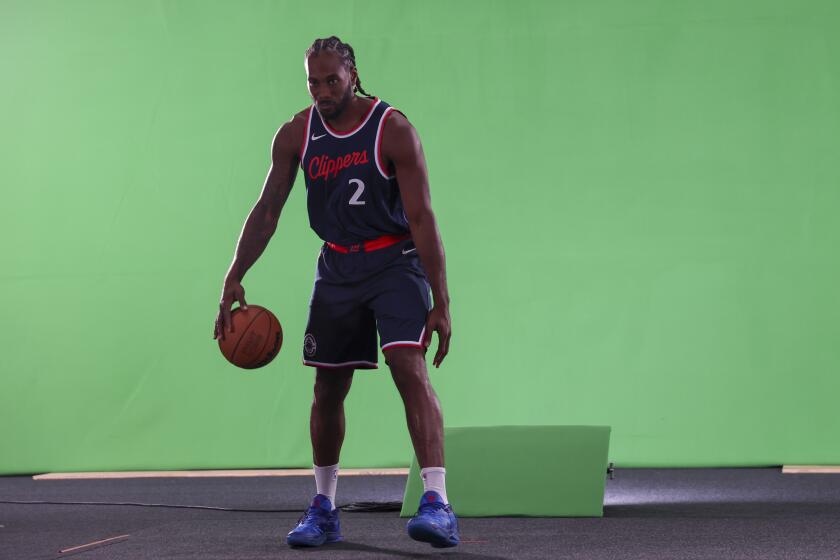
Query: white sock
[326, 479]
[434, 478]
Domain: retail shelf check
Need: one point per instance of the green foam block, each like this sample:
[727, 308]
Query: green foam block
[540, 471]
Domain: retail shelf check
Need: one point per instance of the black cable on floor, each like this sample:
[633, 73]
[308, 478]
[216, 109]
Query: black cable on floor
[355, 507]
[371, 507]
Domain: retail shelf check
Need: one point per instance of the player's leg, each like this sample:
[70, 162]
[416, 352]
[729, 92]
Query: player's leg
[401, 302]
[340, 337]
[326, 421]
[320, 523]
[434, 522]
[422, 407]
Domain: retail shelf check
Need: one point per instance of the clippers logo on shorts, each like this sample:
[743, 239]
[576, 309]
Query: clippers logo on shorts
[350, 195]
[309, 345]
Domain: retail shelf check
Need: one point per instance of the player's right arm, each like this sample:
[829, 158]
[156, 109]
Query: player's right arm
[262, 221]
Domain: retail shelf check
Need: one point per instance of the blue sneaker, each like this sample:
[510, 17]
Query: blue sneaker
[434, 522]
[318, 525]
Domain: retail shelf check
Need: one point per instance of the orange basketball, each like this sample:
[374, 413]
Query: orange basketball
[255, 340]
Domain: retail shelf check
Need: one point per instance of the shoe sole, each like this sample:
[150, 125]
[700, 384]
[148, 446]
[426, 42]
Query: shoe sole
[330, 538]
[426, 535]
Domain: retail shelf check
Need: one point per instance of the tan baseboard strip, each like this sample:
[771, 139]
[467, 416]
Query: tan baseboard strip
[209, 474]
[810, 469]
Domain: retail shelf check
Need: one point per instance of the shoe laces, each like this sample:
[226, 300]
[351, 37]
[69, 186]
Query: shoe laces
[311, 514]
[431, 507]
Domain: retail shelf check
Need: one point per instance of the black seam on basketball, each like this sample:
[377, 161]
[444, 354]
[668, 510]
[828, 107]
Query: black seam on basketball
[260, 353]
[265, 359]
[233, 354]
[278, 340]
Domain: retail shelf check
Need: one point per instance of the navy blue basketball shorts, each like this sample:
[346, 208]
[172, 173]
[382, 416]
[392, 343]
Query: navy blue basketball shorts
[357, 294]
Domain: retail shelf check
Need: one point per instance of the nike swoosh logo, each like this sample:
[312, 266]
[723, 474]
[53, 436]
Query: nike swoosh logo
[317, 137]
[409, 251]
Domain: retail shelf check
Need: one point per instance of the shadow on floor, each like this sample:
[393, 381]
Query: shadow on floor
[346, 546]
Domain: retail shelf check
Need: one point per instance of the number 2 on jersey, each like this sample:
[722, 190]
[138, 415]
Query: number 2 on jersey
[354, 200]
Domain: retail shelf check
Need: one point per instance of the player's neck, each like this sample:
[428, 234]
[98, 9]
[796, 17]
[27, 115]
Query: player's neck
[352, 115]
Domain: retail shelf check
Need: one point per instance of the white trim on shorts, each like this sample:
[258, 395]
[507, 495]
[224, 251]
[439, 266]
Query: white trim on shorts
[369, 365]
[415, 343]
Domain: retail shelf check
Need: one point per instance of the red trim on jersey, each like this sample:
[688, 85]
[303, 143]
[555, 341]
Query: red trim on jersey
[370, 245]
[378, 149]
[357, 127]
[305, 133]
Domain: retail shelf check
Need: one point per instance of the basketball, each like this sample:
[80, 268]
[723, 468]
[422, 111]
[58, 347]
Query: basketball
[256, 338]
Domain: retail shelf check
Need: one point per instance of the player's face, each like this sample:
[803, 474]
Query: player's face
[330, 83]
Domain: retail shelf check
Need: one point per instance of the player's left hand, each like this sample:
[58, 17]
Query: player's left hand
[438, 320]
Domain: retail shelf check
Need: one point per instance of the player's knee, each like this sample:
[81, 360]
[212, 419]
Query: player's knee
[407, 365]
[329, 394]
[403, 357]
[331, 389]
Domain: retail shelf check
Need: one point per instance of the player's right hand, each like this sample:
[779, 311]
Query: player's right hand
[232, 290]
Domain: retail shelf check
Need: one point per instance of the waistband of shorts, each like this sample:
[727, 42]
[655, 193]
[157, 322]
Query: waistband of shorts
[370, 244]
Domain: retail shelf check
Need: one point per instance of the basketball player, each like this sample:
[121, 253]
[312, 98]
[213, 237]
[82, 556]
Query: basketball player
[368, 199]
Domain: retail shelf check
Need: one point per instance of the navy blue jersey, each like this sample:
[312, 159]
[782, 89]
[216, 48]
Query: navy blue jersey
[350, 195]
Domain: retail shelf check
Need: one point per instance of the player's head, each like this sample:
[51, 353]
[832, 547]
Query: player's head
[332, 76]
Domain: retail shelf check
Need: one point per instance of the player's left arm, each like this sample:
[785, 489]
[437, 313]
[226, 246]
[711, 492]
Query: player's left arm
[401, 146]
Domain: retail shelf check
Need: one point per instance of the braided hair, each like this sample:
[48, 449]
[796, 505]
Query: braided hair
[344, 52]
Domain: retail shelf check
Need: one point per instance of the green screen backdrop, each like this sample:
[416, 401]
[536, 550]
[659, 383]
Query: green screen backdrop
[638, 202]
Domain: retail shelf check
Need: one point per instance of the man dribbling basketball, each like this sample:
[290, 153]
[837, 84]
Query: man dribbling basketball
[368, 199]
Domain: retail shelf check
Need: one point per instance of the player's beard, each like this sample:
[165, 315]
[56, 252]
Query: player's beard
[341, 105]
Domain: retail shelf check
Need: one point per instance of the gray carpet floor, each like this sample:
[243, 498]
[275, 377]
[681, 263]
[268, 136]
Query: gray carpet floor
[648, 514]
